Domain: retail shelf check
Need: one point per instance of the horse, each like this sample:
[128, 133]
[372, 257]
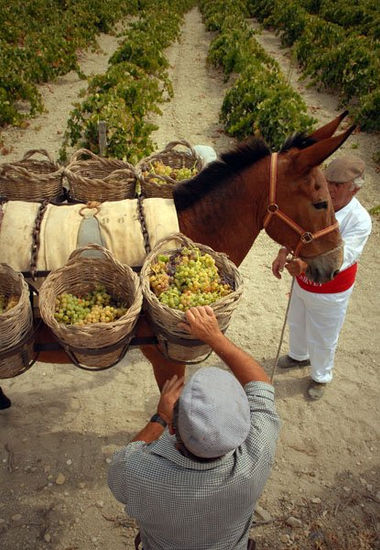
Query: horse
[249, 188]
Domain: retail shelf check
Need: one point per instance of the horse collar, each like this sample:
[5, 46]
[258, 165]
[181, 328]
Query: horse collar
[274, 210]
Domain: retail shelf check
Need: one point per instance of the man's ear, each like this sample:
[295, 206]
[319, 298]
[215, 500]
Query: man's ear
[355, 190]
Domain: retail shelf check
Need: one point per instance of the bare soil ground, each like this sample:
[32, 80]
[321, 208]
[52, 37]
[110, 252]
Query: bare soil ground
[57, 438]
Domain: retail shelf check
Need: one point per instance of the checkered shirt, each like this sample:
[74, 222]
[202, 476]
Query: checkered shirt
[181, 504]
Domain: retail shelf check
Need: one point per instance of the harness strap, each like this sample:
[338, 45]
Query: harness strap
[274, 210]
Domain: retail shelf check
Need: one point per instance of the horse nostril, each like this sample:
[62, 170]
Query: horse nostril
[320, 205]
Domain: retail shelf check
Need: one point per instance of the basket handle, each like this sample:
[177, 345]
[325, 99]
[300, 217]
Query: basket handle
[127, 169]
[43, 152]
[76, 254]
[184, 241]
[180, 237]
[172, 144]
[76, 156]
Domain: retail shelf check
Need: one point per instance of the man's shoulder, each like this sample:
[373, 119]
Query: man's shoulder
[260, 389]
[355, 213]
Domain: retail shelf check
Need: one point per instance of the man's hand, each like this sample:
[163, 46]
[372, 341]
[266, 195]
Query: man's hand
[202, 324]
[170, 393]
[279, 263]
[296, 267]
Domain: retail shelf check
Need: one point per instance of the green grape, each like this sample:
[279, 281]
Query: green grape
[7, 302]
[96, 306]
[186, 279]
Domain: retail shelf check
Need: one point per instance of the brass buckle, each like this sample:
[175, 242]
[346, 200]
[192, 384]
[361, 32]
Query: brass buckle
[273, 207]
[307, 237]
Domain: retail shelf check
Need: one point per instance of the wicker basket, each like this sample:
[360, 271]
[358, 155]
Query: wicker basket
[98, 345]
[173, 342]
[99, 179]
[16, 326]
[30, 179]
[171, 156]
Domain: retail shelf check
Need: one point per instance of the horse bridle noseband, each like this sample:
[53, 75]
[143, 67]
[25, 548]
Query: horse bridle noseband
[273, 209]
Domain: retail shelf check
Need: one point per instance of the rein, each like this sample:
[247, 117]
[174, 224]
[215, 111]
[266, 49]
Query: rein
[273, 209]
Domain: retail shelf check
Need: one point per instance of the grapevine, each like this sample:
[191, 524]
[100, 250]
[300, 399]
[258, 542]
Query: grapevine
[187, 278]
[96, 306]
[177, 174]
[7, 302]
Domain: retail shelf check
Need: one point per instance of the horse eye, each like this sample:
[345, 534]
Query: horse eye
[320, 205]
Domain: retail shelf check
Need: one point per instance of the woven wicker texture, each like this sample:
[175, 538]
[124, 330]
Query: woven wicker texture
[99, 179]
[171, 156]
[15, 324]
[81, 274]
[30, 179]
[165, 320]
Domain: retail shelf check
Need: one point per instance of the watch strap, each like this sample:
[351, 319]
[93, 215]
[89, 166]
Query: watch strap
[157, 418]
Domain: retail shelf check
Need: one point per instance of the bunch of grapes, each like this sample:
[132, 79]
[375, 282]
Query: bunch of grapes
[7, 302]
[96, 306]
[187, 278]
[177, 174]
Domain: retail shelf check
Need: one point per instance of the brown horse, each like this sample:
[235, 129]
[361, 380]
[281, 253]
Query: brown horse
[226, 206]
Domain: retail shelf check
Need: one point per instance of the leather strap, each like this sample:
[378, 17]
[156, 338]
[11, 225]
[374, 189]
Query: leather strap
[274, 210]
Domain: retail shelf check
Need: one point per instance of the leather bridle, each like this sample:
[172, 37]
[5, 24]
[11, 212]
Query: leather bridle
[273, 209]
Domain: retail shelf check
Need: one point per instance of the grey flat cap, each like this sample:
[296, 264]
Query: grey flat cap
[213, 414]
[345, 168]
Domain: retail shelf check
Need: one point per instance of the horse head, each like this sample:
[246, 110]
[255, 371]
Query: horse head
[305, 222]
[227, 204]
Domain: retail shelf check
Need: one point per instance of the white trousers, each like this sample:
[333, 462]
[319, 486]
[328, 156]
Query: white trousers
[315, 321]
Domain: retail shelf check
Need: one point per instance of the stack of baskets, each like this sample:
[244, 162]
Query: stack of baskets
[100, 345]
[95, 178]
[175, 343]
[30, 179]
[171, 156]
[16, 325]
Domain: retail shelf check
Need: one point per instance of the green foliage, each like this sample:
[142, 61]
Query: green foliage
[336, 44]
[230, 48]
[128, 136]
[289, 19]
[215, 13]
[261, 9]
[343, 64]
[375, 210]
[145, 54]
[135, 83]
[39, 41]
[261, 103]
[367, 113]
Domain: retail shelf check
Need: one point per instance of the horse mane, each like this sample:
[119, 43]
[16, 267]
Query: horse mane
[298, 140]
[219, 173]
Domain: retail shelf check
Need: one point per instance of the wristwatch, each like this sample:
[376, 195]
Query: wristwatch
[157, 418]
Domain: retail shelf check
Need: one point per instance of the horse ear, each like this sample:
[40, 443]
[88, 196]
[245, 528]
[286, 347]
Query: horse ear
[328, 130]
[315, 154]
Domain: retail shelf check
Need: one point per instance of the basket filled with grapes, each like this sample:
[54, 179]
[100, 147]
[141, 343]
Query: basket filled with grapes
[16, 324]
[92, 305]
[159, 172]
[179, 274]
[94, 178]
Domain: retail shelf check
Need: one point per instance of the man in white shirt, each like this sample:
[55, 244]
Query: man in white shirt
[317, 311]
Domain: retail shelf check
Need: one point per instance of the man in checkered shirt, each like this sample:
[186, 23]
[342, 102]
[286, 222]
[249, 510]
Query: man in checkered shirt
[193, 485]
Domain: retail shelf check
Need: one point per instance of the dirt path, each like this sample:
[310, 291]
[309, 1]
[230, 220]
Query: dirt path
[55, 442]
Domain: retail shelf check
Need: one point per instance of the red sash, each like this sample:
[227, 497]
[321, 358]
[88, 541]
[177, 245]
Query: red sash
[343, 281]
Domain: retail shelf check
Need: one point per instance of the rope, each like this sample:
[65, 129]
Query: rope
[282, 333]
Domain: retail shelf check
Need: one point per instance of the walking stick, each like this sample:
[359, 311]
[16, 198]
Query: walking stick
[282, 332]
